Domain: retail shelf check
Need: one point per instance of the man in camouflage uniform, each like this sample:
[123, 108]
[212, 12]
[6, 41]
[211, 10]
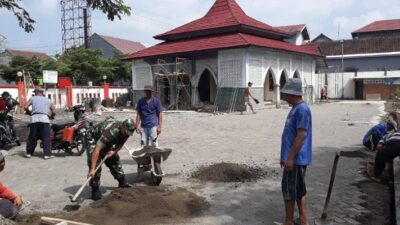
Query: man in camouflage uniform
[109, 136]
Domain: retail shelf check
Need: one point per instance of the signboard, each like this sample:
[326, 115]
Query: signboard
[50, 77]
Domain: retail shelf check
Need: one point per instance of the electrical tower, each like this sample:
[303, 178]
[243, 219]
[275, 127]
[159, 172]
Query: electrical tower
[75, 23]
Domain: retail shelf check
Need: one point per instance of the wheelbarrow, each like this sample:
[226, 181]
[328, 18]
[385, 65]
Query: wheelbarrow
[150, 159]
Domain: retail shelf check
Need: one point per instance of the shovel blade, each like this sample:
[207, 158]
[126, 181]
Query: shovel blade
[322, 222]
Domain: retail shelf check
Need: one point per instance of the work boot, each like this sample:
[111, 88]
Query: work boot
[96, 194]
[122, 183]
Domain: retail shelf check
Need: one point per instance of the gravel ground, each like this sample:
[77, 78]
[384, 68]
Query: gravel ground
[202, 139]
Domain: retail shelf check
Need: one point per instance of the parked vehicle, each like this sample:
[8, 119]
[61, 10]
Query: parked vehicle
[7, 129]
[79, 111]
[70, 137]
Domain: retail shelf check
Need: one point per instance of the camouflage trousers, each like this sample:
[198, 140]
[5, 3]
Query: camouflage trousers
[112, 163]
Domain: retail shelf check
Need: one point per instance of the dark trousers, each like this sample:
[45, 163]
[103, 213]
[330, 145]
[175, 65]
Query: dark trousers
[7, 209]
[372, 141]
[389, 152]
[112, 163]
[39, 131]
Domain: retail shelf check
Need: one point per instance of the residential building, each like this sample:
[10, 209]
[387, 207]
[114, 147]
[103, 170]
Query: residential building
[8, 54]
[367, 66]
[109, 45]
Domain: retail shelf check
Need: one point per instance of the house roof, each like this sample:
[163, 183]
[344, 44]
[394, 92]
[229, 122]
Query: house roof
[292, 29]
[123, 45]
[223, 14]
[295, 29]
[381, 45]
[27, 54]
[380, 25]
[220, 42]
[321, 38]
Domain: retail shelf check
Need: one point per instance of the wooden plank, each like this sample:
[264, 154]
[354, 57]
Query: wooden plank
[59, 221]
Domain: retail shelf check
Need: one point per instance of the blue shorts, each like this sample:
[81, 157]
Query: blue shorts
[293, 183]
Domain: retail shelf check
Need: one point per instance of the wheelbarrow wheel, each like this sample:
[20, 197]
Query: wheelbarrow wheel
[155, 179]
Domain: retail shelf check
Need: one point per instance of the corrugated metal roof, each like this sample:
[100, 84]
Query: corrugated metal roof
[123, 45]
[221, 42]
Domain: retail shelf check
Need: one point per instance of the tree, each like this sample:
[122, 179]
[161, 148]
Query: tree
[112, 8]
[18, 63]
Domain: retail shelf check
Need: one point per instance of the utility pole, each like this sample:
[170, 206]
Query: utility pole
[342, 42]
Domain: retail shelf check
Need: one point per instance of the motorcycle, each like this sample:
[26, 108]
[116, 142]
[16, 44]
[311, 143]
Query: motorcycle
[79, 111]
[7, 130]
[70, 137]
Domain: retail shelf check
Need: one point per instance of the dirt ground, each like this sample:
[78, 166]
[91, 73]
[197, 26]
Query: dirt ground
[199, 139]
[141, 205]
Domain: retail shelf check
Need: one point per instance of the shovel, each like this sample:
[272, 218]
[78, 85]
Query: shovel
[323, 220]
[73, 199]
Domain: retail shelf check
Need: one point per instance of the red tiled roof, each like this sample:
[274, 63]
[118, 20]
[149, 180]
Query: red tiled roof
[380, 25]
[224, 13]
[124, 46]
[27, 54]
[220, 42]
[292, 29]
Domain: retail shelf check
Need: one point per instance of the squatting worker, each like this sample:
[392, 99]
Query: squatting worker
[388, 149]
[10, 202]
[149, 117]
[42, 110]
[296, 151]
[110, 137]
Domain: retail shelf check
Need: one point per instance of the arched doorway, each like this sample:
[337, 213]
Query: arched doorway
[296, 74]
[282, 80]
[207, 87]
[269, 86]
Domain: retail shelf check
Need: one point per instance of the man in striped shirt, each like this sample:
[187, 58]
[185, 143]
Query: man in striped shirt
[388, 149]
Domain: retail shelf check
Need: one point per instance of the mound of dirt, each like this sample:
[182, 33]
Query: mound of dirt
[138, 205]
[228, 172]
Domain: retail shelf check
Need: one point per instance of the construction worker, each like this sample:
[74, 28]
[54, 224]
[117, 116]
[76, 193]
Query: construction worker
[247, 95]
[110, 137]
[42, 110]
[10, 202]
[149, 117]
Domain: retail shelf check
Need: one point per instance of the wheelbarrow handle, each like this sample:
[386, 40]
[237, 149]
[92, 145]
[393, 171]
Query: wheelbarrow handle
[87, 181]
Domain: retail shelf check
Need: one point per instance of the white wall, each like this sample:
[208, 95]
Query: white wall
[141, 74]
[232, 68]
[335, 81]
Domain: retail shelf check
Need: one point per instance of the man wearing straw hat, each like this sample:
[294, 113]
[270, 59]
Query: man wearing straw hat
[149, 117]
[296, 151]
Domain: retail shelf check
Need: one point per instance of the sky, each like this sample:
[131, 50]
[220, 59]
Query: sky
[152, 17]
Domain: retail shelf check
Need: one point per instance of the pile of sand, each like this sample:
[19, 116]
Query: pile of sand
[138, 205]
[228, 172]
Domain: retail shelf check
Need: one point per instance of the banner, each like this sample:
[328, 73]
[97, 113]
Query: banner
[50, 77]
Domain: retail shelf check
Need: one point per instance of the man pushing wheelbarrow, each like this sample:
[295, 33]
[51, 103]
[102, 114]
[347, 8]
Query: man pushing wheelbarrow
[149, 124]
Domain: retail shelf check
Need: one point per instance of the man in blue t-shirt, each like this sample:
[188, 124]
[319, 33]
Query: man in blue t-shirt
[149, 117]
[374, 135]
[296, 151]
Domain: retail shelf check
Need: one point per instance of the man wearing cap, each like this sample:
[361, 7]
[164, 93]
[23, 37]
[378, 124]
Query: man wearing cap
[10, 202]
[110, 136]
[149, 117]
[42, 110]
[296, 151]
[247, 96]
